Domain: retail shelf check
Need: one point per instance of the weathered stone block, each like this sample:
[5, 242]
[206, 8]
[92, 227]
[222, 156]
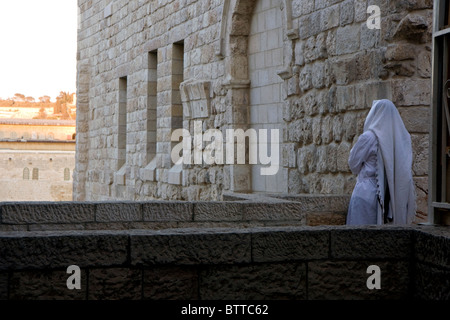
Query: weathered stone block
[110, 212]
[349, 126]
[411, 27]
[167, 211]
[371, 243]
[413, 119]
[370, 38]
[421, 186]
[379, 90]
[45, 285]
[360, 10]
[343, 152]
[327, 129]
[347, 39]
[299, 53]
[432, 247]
[115, 284]
[289, 245]
[420, 143]
[219, 211]
[411, 4]
[346, 280]
[400, 51]
[329, 17]
[347, 12]
[321, 166]
[305, 78]
[332, 157]
[318, 75]
[344, 71]
[325, 218]
[62, 249]
[27, 213]
[170, 283]
[321, 46]
[254, 282]
[310, 53]
[13, 227]
[293, 86]
[306, 159]
[294, 182]
[4, 286]
[307, 131]
[55, 227]
[182, 247]
[273, 211]
[424, 64]
[431, 283]
[317, 130]
[295, 131]
[337, 128]
[309, 103]
[345, 97]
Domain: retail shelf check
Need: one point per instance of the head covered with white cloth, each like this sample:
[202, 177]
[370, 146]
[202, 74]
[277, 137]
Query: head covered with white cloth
[394, 161]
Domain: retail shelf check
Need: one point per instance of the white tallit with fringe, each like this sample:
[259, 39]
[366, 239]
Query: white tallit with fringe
[394, 162]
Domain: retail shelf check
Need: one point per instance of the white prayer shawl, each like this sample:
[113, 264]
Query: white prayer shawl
[394, 162]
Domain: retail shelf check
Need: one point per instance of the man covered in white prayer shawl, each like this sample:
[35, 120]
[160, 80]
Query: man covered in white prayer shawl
[382, 159]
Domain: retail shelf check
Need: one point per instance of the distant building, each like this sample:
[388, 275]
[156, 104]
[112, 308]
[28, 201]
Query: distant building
[37, 159]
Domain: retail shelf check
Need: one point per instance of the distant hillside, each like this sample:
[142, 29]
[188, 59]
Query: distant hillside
[63, 109]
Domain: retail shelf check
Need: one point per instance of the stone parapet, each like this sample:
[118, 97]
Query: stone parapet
[239, 211]
[306, 263]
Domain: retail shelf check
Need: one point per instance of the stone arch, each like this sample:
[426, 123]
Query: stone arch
[235, 24]
[233, 48]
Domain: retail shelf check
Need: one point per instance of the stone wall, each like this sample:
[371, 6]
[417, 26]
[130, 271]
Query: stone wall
[36, 175]
[332, 68]
[234, 212]
[302, 263]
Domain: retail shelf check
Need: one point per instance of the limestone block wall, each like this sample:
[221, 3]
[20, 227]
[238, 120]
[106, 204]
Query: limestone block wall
[340, 67]
[36, 175]
[35, 129]
[302, 263]
[215, 61]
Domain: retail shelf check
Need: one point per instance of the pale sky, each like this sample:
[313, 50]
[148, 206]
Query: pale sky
[38, 44]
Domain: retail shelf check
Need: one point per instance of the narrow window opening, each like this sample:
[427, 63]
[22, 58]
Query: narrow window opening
[177, 79]
[66, 174]
[122, 122]
[26, 174]
[35, 174]
[152, 104]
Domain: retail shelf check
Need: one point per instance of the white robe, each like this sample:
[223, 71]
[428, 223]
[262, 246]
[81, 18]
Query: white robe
[392, 164]
[363, 162]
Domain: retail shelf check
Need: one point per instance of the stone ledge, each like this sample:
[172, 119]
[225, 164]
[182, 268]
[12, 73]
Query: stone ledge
[46, 212]
[290, 244]
[371, 242]
[240, 208]
[432, 245]
[97, 248]
[42, 250]
[228, 263]
[190, 246]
